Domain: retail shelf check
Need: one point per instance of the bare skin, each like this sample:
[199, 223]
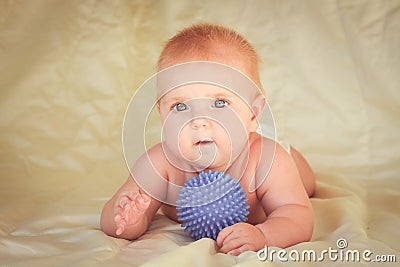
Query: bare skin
[280, 210]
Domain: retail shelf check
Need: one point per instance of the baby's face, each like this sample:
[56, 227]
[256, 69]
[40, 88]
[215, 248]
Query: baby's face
[205, 124]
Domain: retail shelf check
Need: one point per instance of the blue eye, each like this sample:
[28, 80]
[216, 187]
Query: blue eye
[180, 107]
[219, 103]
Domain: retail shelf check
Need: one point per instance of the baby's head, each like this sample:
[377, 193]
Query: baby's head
[208, 42]
[209, 123]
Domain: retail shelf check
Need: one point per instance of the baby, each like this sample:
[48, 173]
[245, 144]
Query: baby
[280, 210]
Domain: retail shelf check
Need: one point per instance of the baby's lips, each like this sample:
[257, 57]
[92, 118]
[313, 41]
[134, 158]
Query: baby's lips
[203, 141]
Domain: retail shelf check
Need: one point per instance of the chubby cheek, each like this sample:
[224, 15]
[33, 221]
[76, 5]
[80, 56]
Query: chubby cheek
[224, 142]
[249, 120]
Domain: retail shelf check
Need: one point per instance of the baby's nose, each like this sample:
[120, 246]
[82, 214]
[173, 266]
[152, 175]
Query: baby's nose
[198, 123]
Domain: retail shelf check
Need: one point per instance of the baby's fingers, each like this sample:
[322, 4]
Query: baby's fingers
[117, 218]
[120, 227]
[122, 213]
[144, 196]
[240, 250]
[223, 234]
[142, 203]
[125, 199]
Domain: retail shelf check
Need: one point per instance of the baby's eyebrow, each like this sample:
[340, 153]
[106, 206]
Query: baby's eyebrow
[220, 95]
[183, 98]
[173, 99]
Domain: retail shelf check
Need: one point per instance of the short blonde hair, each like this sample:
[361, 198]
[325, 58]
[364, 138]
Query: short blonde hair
[202, 40]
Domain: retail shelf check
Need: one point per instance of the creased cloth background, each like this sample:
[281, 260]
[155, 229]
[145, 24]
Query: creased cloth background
[331, 70]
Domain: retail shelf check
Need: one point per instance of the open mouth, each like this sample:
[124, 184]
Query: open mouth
[204, 142]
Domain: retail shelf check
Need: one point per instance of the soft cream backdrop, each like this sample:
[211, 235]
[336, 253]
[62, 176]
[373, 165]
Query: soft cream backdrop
[68, 69]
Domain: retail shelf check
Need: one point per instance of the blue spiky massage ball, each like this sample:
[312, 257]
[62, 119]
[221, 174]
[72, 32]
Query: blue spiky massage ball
[209, 203]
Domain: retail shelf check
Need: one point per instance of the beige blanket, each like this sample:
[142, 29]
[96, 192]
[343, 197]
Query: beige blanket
[68, 69]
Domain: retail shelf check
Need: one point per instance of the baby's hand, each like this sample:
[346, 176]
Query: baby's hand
[239, 238]
[130, 208]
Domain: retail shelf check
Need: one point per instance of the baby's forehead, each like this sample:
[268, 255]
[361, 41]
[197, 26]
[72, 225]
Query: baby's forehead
[204, 91]
[205, 78]
[201, 89]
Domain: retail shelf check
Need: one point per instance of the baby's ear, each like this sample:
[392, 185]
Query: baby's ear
[258, 105]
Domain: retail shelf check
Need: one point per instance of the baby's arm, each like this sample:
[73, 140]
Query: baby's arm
[129, 212]
[290, 215]
[285, 201]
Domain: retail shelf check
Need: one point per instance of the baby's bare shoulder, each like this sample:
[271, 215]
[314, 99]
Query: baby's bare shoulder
[154, 161]
[273, 162]
[156, 152]
[265, 150]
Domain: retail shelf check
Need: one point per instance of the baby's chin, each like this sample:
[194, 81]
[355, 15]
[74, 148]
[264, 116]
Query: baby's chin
[216, 165]
[220, 168]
